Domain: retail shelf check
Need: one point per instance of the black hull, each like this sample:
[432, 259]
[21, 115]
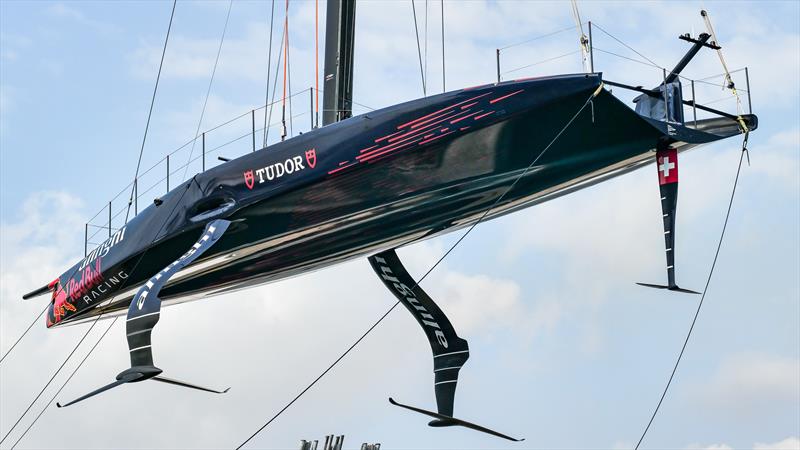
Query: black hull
[396, 197]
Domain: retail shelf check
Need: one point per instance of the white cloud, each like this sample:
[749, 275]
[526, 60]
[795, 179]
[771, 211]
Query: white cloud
[746, 384]
[790, 443]
[63, 11]
[709, 447]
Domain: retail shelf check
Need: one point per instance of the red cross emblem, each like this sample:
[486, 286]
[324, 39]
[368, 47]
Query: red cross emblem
[667, 165]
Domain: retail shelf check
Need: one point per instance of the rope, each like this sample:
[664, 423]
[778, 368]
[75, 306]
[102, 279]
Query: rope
[51, 379]
[419, 50]
[150, 113]
[452, 247]
[208, 90]
[700, 304]
[25, 332]
[269, 67]
[65, 383]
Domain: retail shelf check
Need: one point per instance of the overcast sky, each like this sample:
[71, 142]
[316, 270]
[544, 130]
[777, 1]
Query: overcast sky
[566, 350]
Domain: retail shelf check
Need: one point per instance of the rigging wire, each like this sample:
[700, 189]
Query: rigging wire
[705, 290]
[316, 62]
[65, 383]
[99, 316]
[130, 202]
[51, 379]
[449, 250]
[536, 38]
[150, 113]
[444, 89]
[419, 50]
[25, 332]
[285, 63]
[541, 62]
[274, 90]
[208, 91]
[425, 39]
[595, 25]
[269, 67]
[583, 41]
[289, 84]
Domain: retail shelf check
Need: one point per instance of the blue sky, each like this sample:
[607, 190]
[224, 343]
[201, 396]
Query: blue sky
[565, 349]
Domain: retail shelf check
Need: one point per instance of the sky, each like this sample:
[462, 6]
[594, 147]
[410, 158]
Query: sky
[566, 350]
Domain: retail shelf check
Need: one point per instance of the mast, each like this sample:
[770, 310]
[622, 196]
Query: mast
[337, 101]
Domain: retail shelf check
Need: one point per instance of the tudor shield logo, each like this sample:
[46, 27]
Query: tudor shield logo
[311, 157]
[249, 179]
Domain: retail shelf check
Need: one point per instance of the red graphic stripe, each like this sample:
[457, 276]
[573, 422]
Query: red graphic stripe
[505, 96]
[368, 148]
[483, 115]
[465, 117]
[373, 156]
[468, 105]
[343, 163]
[341, 168]
[463, 128]
[388, 147]
[438, 116]
[443, 109]
[387, 136]
[437, 137]
[421, 130]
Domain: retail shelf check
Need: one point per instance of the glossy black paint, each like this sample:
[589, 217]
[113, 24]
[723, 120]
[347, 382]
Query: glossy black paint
[376, 181]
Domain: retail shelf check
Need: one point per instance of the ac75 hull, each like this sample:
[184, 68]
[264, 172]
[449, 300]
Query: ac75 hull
[372, 182]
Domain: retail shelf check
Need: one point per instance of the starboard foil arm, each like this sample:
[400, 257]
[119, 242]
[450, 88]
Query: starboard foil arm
[450, 352]
[144, 313]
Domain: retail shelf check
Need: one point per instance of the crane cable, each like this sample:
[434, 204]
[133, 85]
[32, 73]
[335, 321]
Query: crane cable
[208, 90]
[25, 332]
[130, 202]
[705, 290]
[65, 382]
[149, 114]
[449, 250]
[94, 322]
[51, 379]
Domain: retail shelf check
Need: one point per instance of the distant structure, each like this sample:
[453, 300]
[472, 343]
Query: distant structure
[334, 443]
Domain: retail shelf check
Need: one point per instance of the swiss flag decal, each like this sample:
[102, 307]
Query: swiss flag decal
[667, 165]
